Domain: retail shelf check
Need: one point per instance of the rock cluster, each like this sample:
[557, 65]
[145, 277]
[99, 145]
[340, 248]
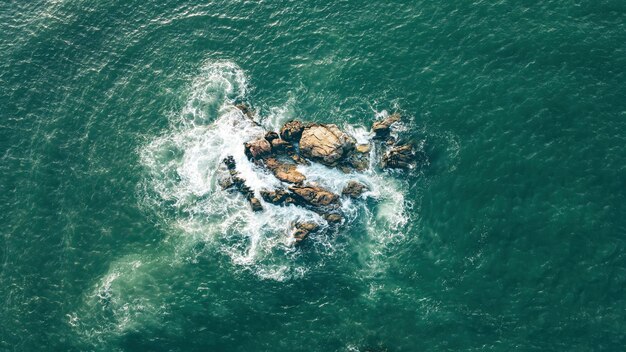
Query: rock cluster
[235, 181]
[298, 143]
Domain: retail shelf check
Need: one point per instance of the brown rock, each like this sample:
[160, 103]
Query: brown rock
[284, 172]
[303, 230]
[279, 196]
[382, 128]
[325, 143]
[314, 196]
[354, 189]
[257, 149]
[292, 131]
[399, 157]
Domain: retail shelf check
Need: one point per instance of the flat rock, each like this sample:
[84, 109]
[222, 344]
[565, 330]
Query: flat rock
[326, 144]
[284, 172]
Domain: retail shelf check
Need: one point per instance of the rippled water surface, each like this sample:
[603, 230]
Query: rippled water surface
[114, 117]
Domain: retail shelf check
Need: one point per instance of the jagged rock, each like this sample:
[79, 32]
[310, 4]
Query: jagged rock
[280, 145]
[303, 229]
[399, 157]
[382, 128]
[314, 196]
[235, 181]
[325, 143]
[354, 189]
[256, 204]
[292, 131]
[257, 149]
[359, 159]
[229, 161]
[279, 196]
[284, 172]
[271, 135]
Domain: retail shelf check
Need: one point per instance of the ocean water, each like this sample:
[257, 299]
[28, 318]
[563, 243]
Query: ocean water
[510, 236]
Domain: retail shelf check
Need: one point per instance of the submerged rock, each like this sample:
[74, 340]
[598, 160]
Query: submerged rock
[332, 217]
[326, 144]
[399, 157]
[256, 149]
[247, 111]
[292, 131]
[382, 128]
[283, 171]
[354, 189]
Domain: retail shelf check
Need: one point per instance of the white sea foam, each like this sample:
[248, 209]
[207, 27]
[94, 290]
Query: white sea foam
[184, 167]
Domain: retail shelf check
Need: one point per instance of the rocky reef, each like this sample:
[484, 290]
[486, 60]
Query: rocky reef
[299, 143]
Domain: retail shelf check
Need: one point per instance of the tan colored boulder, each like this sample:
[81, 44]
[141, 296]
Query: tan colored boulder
[325, 143]
[283, 171]
[257, 149]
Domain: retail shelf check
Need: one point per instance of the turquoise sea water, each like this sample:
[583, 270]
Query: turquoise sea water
[114, 237]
